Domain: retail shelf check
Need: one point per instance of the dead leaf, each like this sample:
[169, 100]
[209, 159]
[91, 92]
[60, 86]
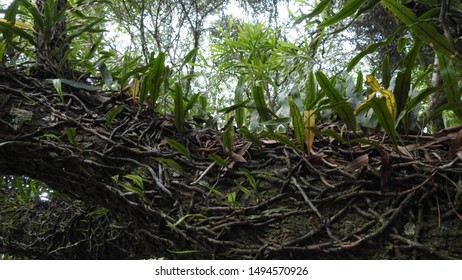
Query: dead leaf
[237, 158]
[455, 145]
[357, 163]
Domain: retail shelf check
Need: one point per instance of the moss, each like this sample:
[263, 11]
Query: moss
[20, 116]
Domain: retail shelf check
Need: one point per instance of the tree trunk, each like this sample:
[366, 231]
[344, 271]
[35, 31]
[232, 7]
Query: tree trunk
[276, 204]
[52, 43]
[437, 100]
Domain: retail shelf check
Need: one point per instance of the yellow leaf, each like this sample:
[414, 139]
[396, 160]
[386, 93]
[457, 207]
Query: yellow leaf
[362, 104]
[136, 89]
[309, 120]
[389, 96]
[18, 24]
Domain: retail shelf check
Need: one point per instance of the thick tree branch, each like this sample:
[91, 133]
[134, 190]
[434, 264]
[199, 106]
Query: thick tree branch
[279, 206]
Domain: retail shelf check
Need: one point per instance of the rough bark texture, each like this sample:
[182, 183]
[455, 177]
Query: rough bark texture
[362, 201]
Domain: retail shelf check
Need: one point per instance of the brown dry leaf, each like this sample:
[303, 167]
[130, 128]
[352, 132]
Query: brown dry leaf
[237, 158]
[357, 163]
[325, 183]
[456, 144]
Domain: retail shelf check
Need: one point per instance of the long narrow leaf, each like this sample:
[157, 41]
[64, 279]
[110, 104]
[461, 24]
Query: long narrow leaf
[239, 99]
[389, 96]
[311, 94]
[349, 9]
[297, 123]
[190, 56]
[309, 121]
[316, 11]
[260, 103]
[228, 135]
[58, 86]
[157, 76]
[372, 48]
[179, 109]
[342, 108]
[178, 147]
[403, 80]
[386, 72]
[427, 32]
[449, 76]
[385, 119]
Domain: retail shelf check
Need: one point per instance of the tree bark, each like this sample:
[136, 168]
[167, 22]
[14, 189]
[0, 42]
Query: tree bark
[272, 202]
[52, 44]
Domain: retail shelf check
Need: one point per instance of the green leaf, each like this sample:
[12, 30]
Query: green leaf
[10, 28]
[311, 95]
[260, 103]
[156, 76]
[331, 133]
[386, 72]
[411, 103]
[192, 101]
[372, 48]
[342, 108]
[79, 85]
[146, 84]
[58, 86]
[107, 77]
[403, 79]
[228, 135]
[36, 15]
[278, 121]
[427, 32]
[281, 138]
[12, 10]
[2, 49]
[316, 11]
[100, 211]
[178, 147]
[180, 220]
[111, 115]
[50, 135]
[239, 99]
[212, 189]
[385, 119]
[134, 189]
[244, 189]
[359, 82]
[179, 109]
[87, 28]
[349, 9]
[297, 122]
[115, 178]
[218, 160]
[171, 163]
[232, 199]
[234, 107]
[249, 177]
[252, 137]
[190, 56]
[136, 180]
[453, 106]
[449, 76]
[71, 133]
